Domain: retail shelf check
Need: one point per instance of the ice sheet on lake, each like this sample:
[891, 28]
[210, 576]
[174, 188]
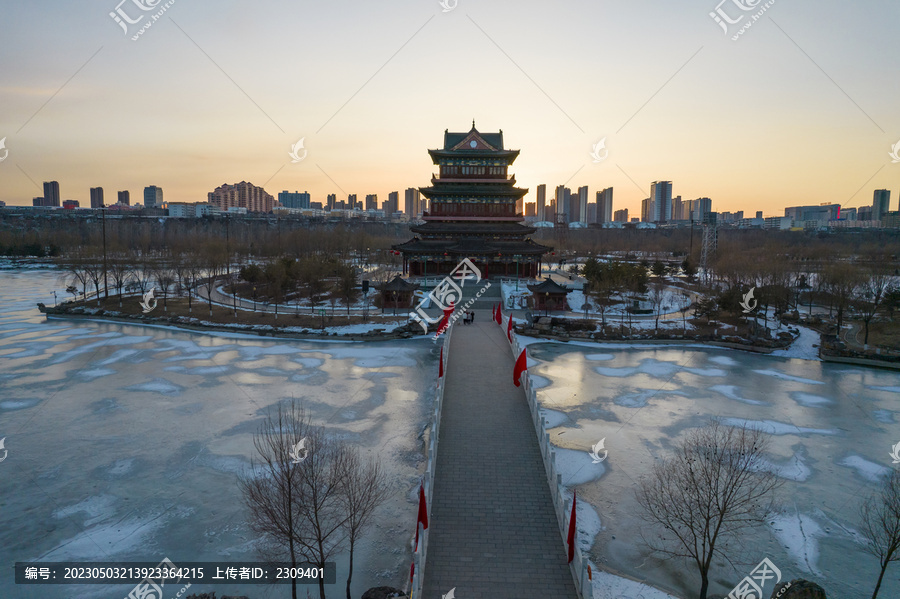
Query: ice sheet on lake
[787, 377]
[773, 427]
[96, 509]
[731, 392]
[642, 397]
[599, 357]
[865, 468]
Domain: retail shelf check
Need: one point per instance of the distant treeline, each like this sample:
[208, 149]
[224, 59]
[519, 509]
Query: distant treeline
[287, 236]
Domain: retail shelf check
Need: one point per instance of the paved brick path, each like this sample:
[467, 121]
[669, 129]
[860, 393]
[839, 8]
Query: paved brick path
[493, 532]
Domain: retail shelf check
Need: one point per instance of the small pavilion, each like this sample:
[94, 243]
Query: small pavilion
[397, 293]
[549, 295]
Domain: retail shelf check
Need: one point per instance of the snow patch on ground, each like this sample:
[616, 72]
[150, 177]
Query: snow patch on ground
[809, 400]
[885, 416]
[787, 377]
[95, 373]
[609, 585]
[554, 418]
[888, 388]
[794, 469]
[804, 347]
[723, 360]
[731, 392]
[577, 467]
[642, 397]
[799, 533]
[865, 468]
[773, 427]
[157, 385]
[538, 381]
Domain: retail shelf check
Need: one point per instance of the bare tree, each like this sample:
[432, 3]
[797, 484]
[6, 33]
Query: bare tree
[657, 297]
[365, 488]
[715, 486]
[871, 295]
[212, 260]
[841, 280]
[322, 518]
[880, 515]
[121, 274]
[164, 277]
[270, 489]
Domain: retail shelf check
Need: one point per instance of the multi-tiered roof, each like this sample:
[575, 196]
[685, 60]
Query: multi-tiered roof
[473, 211]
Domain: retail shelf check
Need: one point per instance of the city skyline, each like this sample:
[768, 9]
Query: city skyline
[184, 108]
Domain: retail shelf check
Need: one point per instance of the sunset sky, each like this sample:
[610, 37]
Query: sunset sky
[803, 108]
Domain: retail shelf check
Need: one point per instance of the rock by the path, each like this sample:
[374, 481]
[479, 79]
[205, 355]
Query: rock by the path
[799, 589]
[383, 593]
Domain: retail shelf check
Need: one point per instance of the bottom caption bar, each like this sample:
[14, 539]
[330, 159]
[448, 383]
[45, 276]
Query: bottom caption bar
[168, 573]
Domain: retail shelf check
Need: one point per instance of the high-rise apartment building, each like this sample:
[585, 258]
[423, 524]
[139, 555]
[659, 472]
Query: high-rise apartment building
[604, 205]
[242, 195]
[563, 195]
[412, 202]
[352, 202]
[621, 216]
[51, 193]
[581, 200]
[881, 203]
[647, 210]
[153, 197]
[541, 207]
[393, 204]
[296, 199]
[661, 194]
[372, 201]
[702, 208]
[530, 209]
[124, 197]
[331, 201]
[96, 197]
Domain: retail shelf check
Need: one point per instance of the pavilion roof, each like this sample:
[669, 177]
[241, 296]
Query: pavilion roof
[398, 283]
[548, 285]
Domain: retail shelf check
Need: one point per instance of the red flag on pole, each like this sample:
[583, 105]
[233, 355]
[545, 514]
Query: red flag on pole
[441, 363]
[571, 538]
[509, 329]
[499, 317]
[493, 312]
[423, 514]
[521, 366]
[412, 571]
[445, 321]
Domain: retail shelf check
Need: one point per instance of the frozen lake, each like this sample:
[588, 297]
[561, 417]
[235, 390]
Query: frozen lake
[124, 441]
[831, 427]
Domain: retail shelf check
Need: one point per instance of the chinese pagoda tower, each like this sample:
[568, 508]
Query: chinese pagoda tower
[472, 212]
